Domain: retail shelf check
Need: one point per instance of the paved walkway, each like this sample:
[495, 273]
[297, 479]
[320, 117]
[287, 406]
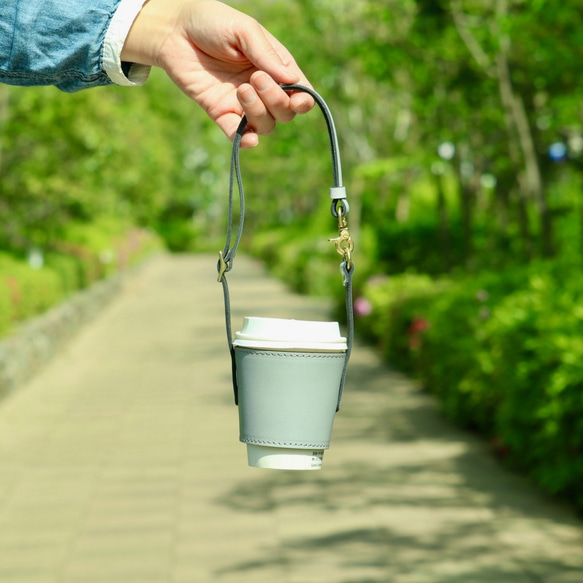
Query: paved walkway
[120, 464]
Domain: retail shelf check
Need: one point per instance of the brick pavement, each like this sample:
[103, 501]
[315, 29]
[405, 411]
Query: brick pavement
[119, 463]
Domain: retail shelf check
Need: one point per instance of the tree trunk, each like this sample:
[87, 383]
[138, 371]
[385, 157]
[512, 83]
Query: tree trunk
[533, 179]
[521, 145]
[507, 97]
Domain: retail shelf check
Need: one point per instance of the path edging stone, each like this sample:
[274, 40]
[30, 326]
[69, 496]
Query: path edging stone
[33, 344]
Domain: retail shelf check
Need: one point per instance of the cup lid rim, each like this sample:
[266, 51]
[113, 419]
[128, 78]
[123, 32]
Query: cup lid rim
[281, 330]
[259, 344]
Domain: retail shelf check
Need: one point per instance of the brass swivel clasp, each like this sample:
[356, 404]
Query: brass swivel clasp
[344, 243]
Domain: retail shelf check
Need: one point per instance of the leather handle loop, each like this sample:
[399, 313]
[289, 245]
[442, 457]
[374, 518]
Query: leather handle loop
[227, 255]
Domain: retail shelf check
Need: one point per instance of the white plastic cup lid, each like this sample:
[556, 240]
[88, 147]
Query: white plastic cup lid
[281, 334]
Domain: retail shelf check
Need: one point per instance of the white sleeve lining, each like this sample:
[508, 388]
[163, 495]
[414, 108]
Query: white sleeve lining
[115, 37]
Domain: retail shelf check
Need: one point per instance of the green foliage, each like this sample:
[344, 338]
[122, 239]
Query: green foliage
[461, 298]
[503, 353]
[5, 308]
[456, 233]
[90, 252]
[386, 320]
[535, 351]
[126, 153]
[25, 291]
[69, 269]
[304, 258]
[87, 177]
[105, 246]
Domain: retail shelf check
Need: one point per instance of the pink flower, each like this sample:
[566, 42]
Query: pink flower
[362, 307]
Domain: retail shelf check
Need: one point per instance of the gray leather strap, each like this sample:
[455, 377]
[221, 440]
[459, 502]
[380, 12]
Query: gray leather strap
[227, 255]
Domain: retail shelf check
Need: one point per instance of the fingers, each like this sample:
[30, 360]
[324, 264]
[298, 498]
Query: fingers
[265, 103]
[300, 102]
[267, 54]
[231, 65]
[262, 99]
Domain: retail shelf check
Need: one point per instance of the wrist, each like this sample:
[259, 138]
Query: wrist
[150, 29]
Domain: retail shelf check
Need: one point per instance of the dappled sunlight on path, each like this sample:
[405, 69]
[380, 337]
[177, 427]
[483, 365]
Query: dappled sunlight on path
[120, 463]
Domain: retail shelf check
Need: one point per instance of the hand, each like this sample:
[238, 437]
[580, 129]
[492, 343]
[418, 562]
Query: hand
[222, 59]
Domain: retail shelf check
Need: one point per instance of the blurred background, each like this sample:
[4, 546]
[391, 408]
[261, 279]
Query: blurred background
[461, 133]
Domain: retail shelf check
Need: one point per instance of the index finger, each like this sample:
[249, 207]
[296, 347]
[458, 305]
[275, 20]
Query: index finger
[268, 54]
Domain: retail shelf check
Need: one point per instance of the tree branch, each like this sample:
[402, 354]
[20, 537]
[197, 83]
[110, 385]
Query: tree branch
[472, 44]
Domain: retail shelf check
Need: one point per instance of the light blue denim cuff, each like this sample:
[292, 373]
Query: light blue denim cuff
[55, 42]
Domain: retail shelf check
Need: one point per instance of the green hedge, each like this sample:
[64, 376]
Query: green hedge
[85, 254]
[504, 354]
[25, 291]
[502, 350]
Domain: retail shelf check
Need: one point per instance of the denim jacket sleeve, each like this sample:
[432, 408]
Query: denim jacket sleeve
[57, 42]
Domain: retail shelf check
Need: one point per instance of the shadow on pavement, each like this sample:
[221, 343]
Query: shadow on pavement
[407, 497]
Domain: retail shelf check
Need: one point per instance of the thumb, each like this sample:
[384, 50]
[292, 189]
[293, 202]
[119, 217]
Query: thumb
[266, 53]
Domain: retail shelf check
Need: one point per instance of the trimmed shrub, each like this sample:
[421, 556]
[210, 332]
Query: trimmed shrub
[30, 291]
[503, 352]
[90, 252]
[534, 341]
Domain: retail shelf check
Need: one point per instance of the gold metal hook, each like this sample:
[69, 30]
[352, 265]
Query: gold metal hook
[344, 243]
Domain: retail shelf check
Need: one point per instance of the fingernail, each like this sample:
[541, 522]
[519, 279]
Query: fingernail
[250, 140]
[302, 107]
[263, 82]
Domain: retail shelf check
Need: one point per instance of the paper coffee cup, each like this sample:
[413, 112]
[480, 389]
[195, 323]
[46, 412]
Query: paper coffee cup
[289, 374]
[279, 458]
